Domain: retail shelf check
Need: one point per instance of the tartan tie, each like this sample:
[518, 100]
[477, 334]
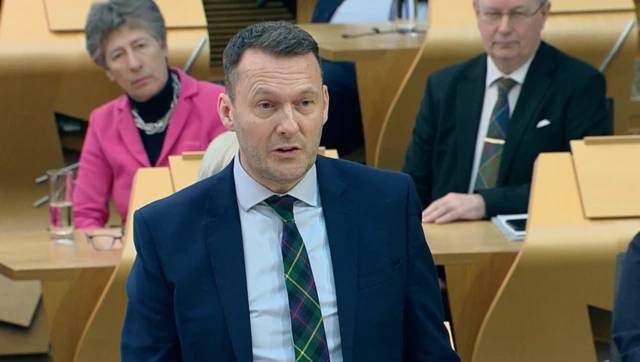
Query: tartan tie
[496, 137]
[309, 339]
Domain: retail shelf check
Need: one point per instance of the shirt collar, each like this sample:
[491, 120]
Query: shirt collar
[250, 192]
[493, 73]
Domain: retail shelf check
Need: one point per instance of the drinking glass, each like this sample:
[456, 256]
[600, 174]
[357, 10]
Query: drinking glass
[61, 206]
[406, 14]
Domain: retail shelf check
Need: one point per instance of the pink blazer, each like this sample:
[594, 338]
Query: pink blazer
[113, 151]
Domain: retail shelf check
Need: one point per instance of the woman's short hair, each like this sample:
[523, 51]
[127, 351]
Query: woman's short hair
[218, 155]
[105, 17]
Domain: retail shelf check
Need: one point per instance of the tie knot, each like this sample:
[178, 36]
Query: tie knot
[506, 83]
[283, 205]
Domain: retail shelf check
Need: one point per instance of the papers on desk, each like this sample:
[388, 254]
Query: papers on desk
[512, 226]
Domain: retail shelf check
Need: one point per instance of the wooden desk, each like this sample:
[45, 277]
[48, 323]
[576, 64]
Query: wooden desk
[381, 60]
[476, 257]
[31, 255]
[74, 277]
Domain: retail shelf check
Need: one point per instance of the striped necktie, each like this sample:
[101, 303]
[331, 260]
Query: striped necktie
[309, 339]
[496, 137]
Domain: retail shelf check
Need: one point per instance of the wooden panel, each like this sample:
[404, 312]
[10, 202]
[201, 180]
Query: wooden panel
[227, 17]
[16, 340]
[100, 341]
[71, 15]
[471, 289]
[74, 310]
[567, 6]
[547, 190]
[184, 171]
[453, 37]
[18, 301]
[567, 263]
[607, 170]
[305, 10]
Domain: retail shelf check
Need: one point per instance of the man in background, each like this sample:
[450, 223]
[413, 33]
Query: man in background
[482, 123]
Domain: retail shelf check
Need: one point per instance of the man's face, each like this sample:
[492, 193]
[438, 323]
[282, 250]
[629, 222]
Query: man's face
[511, 40]
[279, 108]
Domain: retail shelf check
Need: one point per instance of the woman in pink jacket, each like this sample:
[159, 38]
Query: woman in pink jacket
[164, 111]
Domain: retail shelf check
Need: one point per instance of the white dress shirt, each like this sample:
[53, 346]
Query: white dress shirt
[261, 239]
[490, 99]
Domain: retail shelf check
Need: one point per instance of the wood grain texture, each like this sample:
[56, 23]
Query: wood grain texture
[566, 264]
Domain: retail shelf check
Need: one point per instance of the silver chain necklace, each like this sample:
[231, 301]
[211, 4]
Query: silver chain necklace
[161, 124]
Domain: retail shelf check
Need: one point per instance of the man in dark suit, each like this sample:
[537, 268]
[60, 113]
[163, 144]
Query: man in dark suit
[625, 326]
[284, 255]
[482, 123]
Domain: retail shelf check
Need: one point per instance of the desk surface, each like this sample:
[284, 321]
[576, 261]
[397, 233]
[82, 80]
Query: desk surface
[461, 242]
[336, 48]
[30, 255]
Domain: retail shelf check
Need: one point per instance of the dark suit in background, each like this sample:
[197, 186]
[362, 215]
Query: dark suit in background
[188, 291]
[567, 92]
[626, 311]
[343, 131]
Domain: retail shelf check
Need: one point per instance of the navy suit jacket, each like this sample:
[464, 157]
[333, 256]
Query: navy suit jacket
[324, 10]
[626, 311]
[187, 288]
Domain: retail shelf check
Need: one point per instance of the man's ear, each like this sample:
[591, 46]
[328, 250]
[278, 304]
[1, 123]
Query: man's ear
[325, 111]
[225, 110]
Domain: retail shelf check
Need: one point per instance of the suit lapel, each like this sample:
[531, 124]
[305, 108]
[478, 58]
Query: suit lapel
[340, 221]
[469, 100]
[130, 134]
[178, 119]
[534, 90]
[223, 237]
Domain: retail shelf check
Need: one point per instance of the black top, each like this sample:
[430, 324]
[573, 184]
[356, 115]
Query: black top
[151, 111]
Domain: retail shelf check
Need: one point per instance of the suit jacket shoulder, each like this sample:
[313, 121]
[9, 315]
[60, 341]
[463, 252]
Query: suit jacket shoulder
[571, 68]
[367, 183]
[451, 74]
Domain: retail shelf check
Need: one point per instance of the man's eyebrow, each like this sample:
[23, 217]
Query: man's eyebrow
[266, 91]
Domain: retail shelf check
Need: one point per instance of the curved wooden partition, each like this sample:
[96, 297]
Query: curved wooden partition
[587, 30]
[44, 68]
[100, 341]
[566, 267]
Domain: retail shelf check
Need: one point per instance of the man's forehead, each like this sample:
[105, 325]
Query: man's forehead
[507, 4]
[257, 59]
[256, 67]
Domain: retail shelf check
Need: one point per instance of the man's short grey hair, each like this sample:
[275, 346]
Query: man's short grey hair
[276, 38]
[105, 17]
